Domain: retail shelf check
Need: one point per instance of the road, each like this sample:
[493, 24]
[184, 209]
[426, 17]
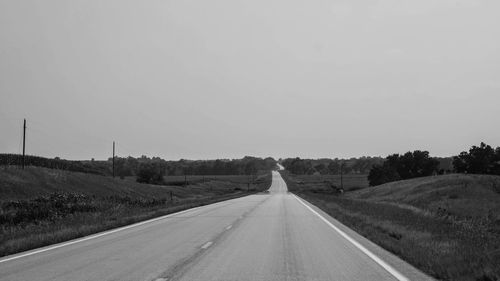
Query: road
[269, 236]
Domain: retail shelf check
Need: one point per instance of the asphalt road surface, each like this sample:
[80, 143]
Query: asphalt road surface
[269, 236]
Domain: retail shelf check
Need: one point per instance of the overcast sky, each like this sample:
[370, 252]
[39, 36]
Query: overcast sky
[229, 78]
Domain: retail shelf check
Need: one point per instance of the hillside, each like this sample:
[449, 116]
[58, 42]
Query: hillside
[32, 182]
[463, 196]
[17, 184]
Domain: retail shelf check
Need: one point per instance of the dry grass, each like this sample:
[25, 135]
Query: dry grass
[448, 226]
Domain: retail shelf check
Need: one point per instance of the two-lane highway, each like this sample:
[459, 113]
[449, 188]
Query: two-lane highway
[270, 236]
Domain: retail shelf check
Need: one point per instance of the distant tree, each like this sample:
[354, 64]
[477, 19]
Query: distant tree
[334, 167]
[150, 173]
[297, 166]
[460, 162]
[482, 159]
[321, 168]
[250, 168]
[409, 165]
[347, 169]
[496, 166]
[381, 174]
[360, 165]
[445, 163]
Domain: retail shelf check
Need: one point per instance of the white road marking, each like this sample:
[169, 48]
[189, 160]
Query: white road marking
[229, 227]
[208, 244]
[100, 234]
[383, 264]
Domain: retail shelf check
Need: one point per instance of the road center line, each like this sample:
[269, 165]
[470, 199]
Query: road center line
[367, 252]
[208, 244]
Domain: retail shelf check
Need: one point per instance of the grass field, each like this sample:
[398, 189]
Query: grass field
[40, 206]
[320, 183]
[196, 179]
[448, 226]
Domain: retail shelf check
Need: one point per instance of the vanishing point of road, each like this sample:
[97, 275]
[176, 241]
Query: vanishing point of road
[269, 236]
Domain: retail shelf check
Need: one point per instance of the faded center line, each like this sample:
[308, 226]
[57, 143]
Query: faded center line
[208, 244]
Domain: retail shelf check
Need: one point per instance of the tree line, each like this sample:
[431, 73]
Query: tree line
[153, 170]
[482, 159]
[145, 169]
[326, 166]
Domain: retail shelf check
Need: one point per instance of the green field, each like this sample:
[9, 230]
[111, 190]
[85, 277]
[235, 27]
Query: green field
[40, 206]
[448, 226]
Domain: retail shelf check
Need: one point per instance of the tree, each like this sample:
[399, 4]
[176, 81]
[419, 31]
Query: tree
[334, 167]
[321, 168]
[297, 166]
[482, 159]
[381, 174]
[150, 173]
[409, 165]
[250, 168]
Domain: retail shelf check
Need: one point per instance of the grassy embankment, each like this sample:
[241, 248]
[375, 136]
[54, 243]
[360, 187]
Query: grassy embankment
[40, 206]
[448, 226]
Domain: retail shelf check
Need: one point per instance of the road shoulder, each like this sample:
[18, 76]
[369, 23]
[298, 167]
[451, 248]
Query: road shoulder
[403, 267]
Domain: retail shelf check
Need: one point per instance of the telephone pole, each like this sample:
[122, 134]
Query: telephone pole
[113, 159]
[24, 143]
[341, 178]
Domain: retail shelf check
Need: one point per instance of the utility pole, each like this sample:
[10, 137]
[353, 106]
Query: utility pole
[341, 178]
[24, 143]
[113, 159]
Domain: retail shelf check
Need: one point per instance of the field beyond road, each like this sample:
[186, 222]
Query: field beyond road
[40, 206]
[448, 226]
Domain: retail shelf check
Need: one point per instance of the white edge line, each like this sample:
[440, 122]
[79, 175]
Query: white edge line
[102, 234]
[367, 252]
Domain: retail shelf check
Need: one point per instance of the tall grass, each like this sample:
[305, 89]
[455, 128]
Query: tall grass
[35, 223]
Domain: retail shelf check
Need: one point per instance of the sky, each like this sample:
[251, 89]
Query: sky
[213, 79]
